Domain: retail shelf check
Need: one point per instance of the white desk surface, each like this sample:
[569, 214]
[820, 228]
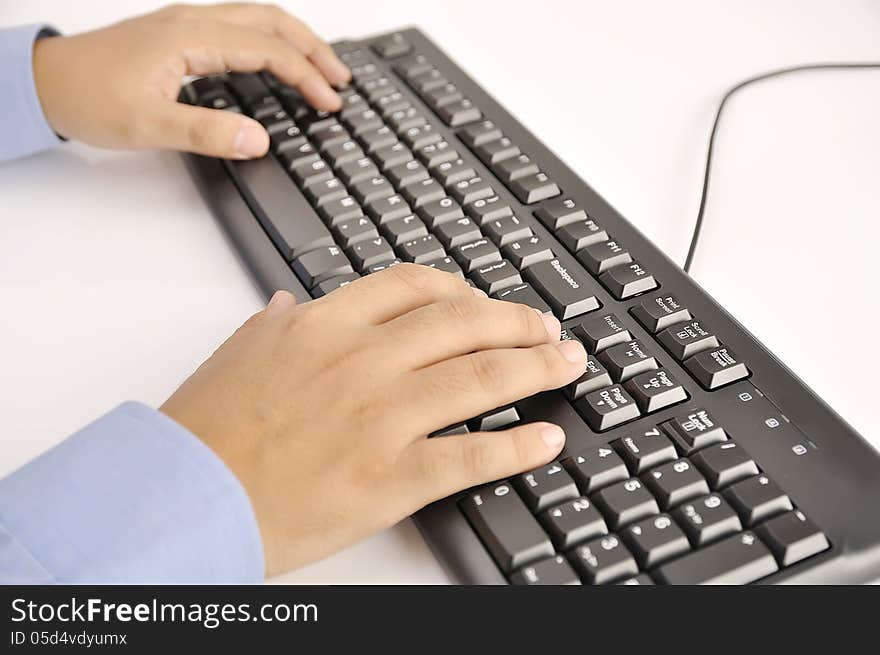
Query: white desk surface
[116, 282]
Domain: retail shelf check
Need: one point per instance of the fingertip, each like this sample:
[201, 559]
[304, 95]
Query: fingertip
[553, 437]
[281, 299]
[251, 140]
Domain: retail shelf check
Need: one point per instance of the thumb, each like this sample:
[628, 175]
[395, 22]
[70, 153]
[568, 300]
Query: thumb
[204, 131]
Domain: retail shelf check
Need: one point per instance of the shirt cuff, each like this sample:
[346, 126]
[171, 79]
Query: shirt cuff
[23, 126]
[131, 498]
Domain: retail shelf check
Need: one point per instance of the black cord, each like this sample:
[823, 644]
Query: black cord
[763, 76]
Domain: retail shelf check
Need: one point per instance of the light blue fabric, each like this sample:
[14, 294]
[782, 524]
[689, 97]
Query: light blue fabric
[132, 497]
[23, 127]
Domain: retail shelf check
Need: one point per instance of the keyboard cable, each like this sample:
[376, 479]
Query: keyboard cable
[780, 72]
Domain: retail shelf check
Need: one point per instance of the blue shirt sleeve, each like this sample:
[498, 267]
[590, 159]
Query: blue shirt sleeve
[23, 127]
[131, 498]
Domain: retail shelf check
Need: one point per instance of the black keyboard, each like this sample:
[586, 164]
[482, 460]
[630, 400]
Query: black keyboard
[693, 455]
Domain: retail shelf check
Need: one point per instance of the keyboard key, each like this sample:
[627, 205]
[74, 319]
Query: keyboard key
[496, 276]
[447, 264]
[525, 252]
[707, 519]
[602, 256]
[567, 292]
[344, 152]
[394, 45]
[349, 232]
[321, 264]
[724, 463]
[655, 390]
[326, 191]
[358, 170]
[580, 234]
[506, 229]
[388, 208]
[792, 537]
[422, 250]
[339, 210]
[551, 571]
[694, 430]
[286, 216]
[684, 340]
[739, 559]
[628, 280]
[372, 189]
[660, 312]
[595, 468]
[440, 211]
[717, 367]
[403, 229]
[459, 112]
[495, 151]
[333, 283]
[572, 522]
[421, 136]
[457, 232]
[430, 79]
[377, 138]
[476, 254]
[601, 332]
[412, 66]
[488, 209]
[382, 266]
[626, 360]
[494, 419]
[392, 155]
[559, 212]
[442, 95]
[421, 193]
[434, 154]
[534, 188]
[406, 118]
[645, 450]
[757, 499]
[545, 486]
[372, 251]
[595, 377]
[506, 526]
[603, 560]
[310, 173]
[452, 171]
[514, 168]
[675, 482]
[654, 540]
[480, 133]
[407, 173]
[524, 294]
[471, 190]
[607, 407]
[625, 502]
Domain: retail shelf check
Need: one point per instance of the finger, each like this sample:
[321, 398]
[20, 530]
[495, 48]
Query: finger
[457, 326]
[458, 389]
[385, 295]
[274, 20]
[211, 132]
[438, 467]
[214, 46]
[280, 301]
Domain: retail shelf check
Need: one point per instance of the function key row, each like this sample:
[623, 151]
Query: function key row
[513, 167]
[599, 252]
[635, 505]
[441, 95]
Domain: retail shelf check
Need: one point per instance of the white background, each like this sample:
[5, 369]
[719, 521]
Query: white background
[115, 281]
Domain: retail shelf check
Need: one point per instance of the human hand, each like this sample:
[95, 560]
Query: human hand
[322, 410]
[117, 87]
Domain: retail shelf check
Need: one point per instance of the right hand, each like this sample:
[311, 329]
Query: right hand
[322, 410]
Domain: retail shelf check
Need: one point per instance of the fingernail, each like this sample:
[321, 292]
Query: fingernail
[251, 140]
[553, 437]
[552, 324]
[573, 351]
